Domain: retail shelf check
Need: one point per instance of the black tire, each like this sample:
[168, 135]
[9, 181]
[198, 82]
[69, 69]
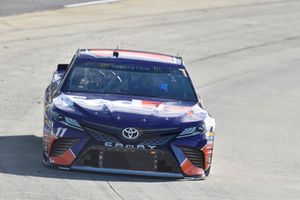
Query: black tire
[207, 171]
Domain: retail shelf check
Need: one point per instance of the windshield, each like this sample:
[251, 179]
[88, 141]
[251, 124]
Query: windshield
[130, 79]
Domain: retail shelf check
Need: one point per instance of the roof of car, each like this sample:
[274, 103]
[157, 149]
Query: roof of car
[130, 54]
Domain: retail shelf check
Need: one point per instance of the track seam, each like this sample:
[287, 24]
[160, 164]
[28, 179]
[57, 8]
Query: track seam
[246, 48]
[115, 191]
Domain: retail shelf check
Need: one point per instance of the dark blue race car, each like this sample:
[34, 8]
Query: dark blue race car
[126, 112]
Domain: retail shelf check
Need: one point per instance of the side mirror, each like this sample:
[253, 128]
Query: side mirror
[59, 73]
[62, 67]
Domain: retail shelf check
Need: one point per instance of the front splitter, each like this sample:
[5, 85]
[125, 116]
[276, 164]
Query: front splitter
[127, 172]
[133, 172]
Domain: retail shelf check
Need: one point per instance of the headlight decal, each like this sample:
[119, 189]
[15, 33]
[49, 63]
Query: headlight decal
[67, 121]
[192, 131]
[70, 122]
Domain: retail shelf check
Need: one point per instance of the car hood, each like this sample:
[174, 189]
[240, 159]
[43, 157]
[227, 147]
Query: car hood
[130, 111]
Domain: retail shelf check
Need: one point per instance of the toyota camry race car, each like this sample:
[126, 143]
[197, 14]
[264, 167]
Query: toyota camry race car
[126, 112]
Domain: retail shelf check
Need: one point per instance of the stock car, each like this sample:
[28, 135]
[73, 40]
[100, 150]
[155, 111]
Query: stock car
[126, 112]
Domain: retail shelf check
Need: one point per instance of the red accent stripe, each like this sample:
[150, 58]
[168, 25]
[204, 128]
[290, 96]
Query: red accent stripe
[137, 54]
[151, 103]
[207, 150]
[148, 55]
[65, 159]
[189, 169]
[51, 140]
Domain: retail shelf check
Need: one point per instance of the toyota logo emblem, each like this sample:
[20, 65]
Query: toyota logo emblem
[130, 133]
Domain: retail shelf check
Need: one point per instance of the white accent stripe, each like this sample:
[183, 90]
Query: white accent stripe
[63, 132]
[57, 132]
[89, 3]
[183, 162]
[72, 153]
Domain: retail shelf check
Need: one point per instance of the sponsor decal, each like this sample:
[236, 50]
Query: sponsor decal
[211, 137]
[132, 146]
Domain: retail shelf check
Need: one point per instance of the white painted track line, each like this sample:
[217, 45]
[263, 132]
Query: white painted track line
[89, 3]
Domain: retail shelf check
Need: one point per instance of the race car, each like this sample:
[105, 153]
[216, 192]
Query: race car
[126, 112]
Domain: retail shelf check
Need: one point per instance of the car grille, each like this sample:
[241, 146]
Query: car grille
[102, 137]
[61, 145]
[113, 130]
[195, 156]
[95, 127]
[106, 133]
[129, 159]
[158, 141]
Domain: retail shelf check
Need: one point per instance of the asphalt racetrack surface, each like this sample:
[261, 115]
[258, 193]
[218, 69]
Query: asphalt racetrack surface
[244, 57]
[13, 7]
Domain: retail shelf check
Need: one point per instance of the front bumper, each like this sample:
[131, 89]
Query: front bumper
[79, 150]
